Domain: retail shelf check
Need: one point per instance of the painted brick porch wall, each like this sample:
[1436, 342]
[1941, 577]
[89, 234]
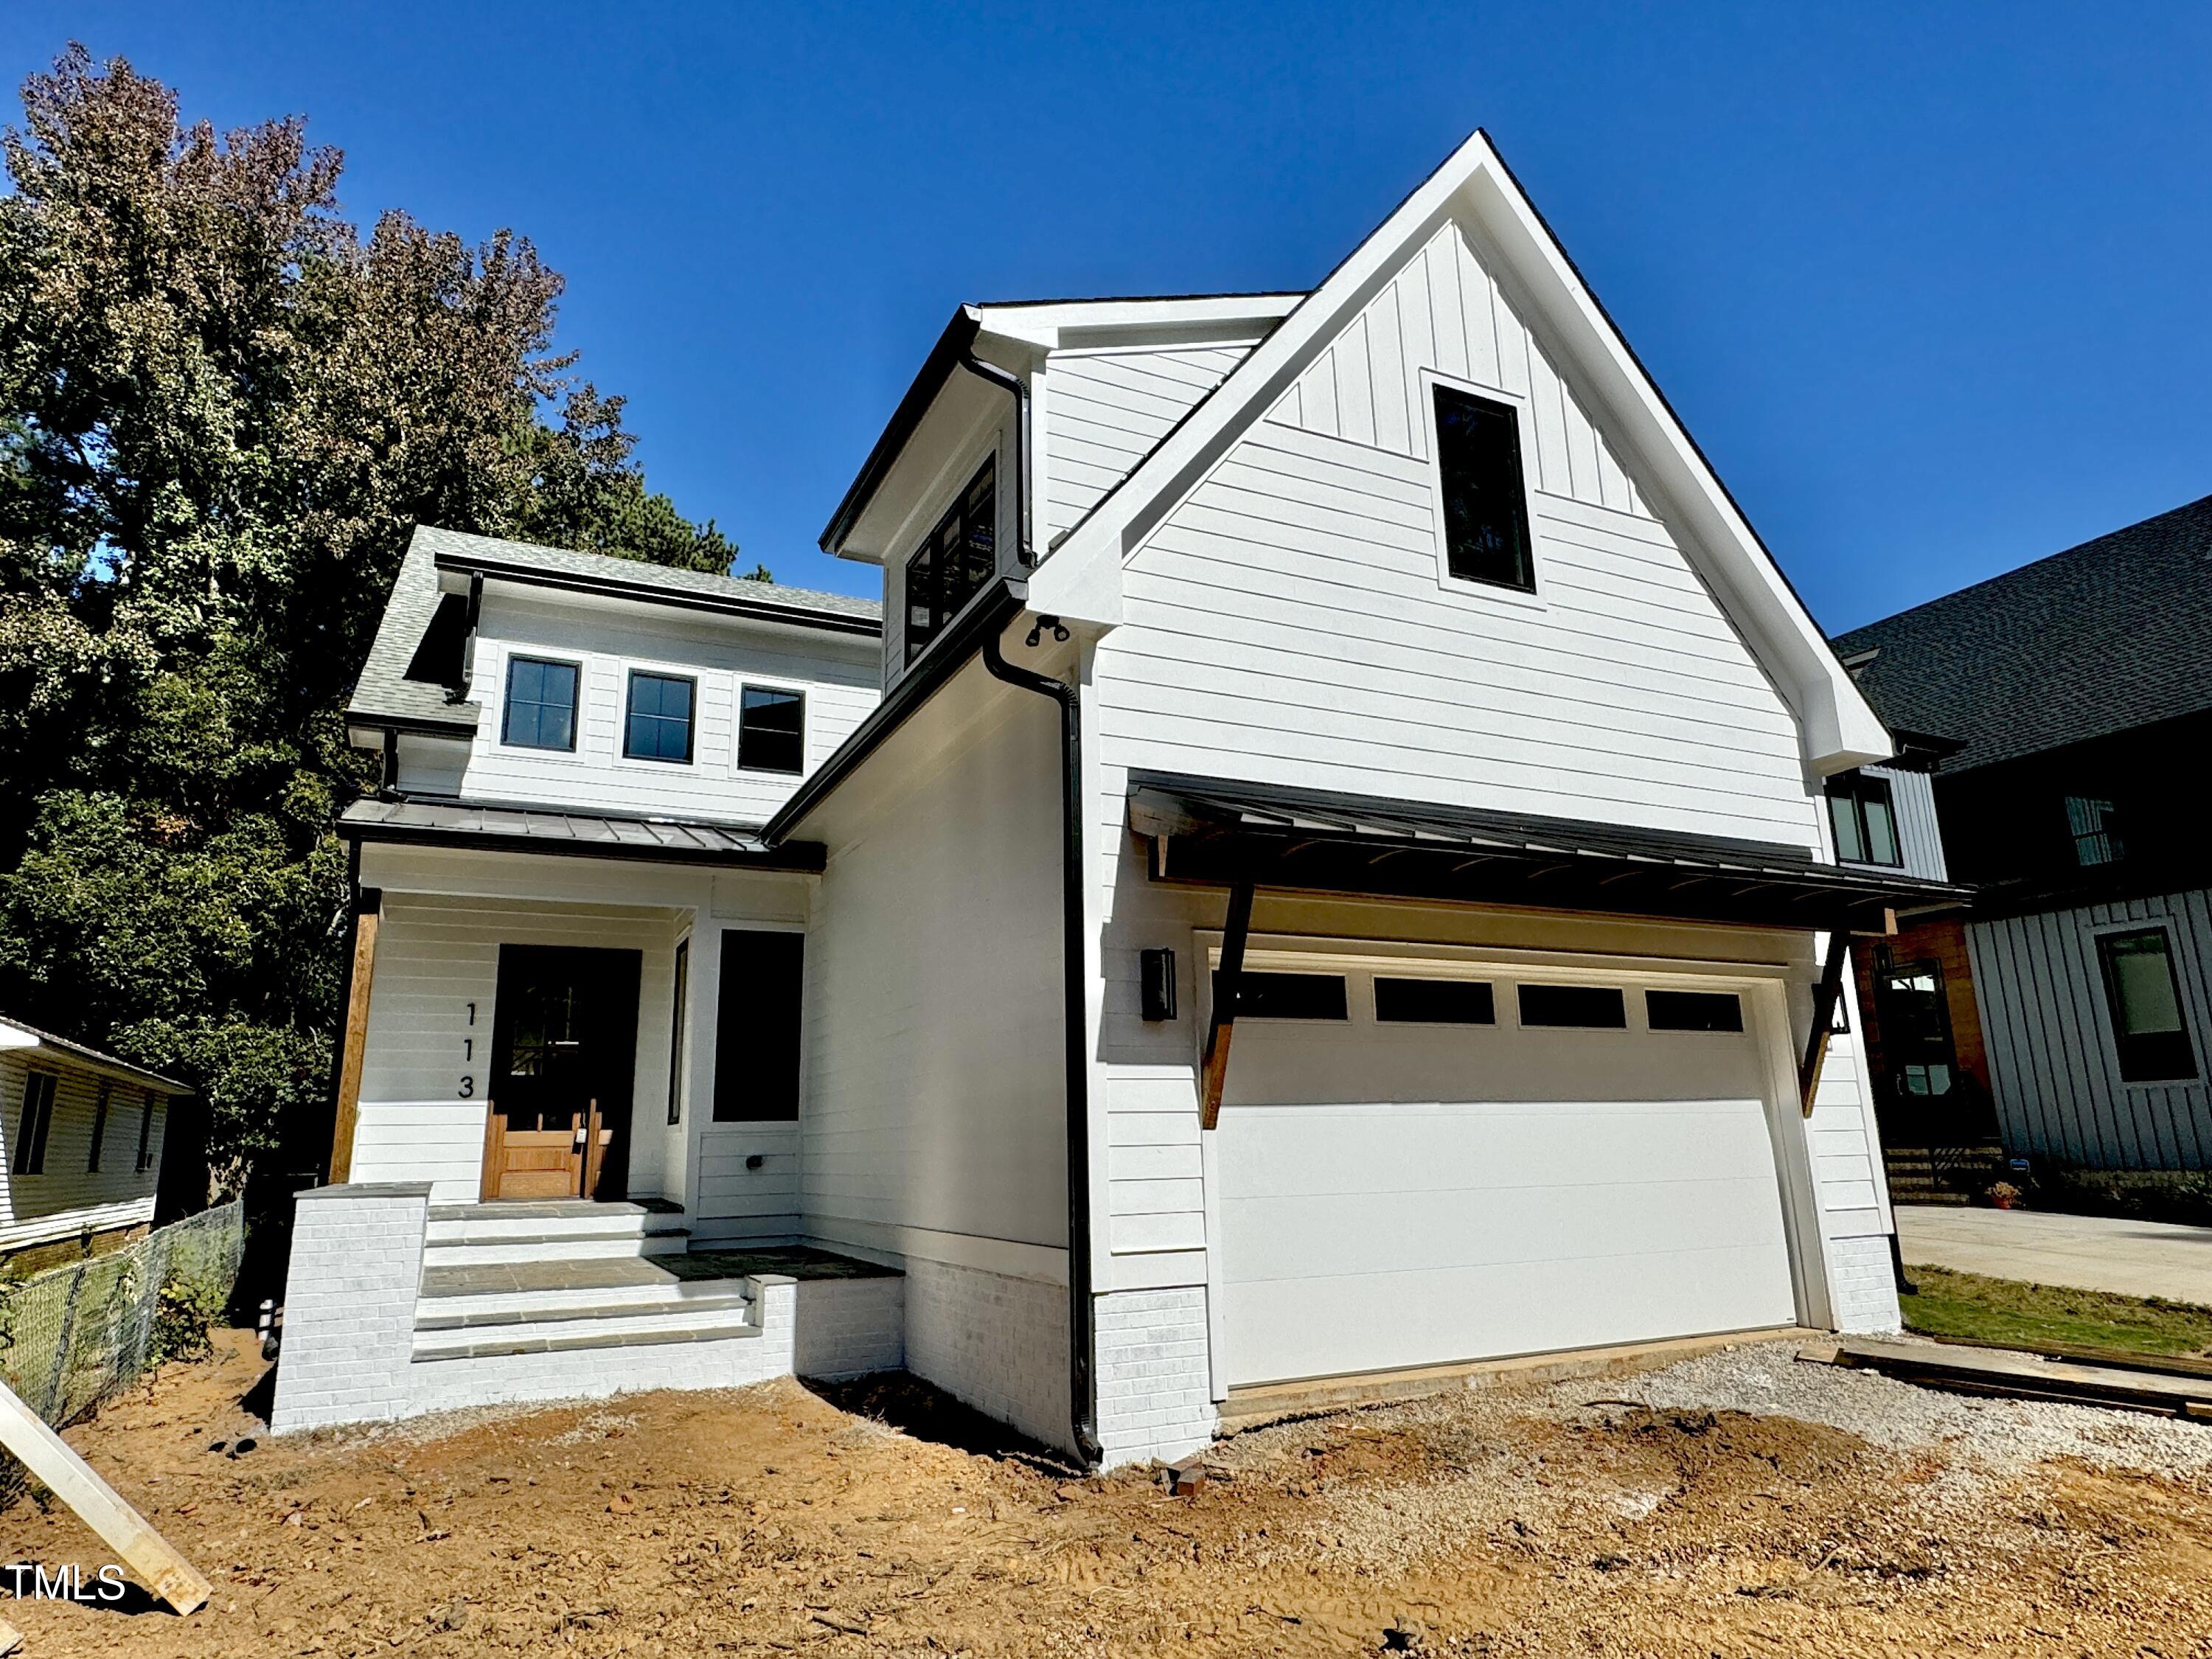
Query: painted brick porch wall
[1862, 1285]
[1154, 1394]
[350, 1305]
[997, 1342]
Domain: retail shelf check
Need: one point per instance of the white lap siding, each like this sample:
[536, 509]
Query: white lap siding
[435, 957]
[1104, 410]
[69, 1197]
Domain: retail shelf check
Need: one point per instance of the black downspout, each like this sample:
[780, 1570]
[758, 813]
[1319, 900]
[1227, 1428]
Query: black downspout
[1082, 1357]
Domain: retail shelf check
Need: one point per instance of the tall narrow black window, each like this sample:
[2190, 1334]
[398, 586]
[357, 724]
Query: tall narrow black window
[658, 723]
[771, 730]
[145, 1135]
[541, 704]
[1865, 821]
[953, 561]
[1486, 505]
[99, 1130]
[676, 1024]
[33, 1125]
[2145, 1003]
[756, 1027]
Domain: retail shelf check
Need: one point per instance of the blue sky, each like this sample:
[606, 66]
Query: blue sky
[1929, 284]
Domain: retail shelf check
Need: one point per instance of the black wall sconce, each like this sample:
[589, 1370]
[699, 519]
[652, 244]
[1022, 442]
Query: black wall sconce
[1159, 979]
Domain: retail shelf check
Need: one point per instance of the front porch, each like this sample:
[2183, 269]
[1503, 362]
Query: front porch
[400, 1306]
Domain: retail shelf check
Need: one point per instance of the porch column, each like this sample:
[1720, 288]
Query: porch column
[360, 971]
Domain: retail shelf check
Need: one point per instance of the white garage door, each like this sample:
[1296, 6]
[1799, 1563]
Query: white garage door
[1396, 1194]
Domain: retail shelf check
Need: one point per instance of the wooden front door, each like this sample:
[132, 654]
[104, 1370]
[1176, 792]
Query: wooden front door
[563, 1054]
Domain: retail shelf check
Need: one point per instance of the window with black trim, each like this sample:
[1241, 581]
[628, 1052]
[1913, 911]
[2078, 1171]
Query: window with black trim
[2144, 1000]
[145, 1135]
[1693, 1010]
[757, 1026]
[676, 1030]
[1865, 821]
[1287, 996]
[99, 1128]
[953, 561]
[1583, 1007]
[1485, 501]
[1434, 1001]
[771, 730]
[657, 724]
[34, 1124]
[2095, 828]
[541, 704]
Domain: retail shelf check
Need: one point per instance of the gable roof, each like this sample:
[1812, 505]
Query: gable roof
[2098, 639]
[1475, 187]
[16, 1035]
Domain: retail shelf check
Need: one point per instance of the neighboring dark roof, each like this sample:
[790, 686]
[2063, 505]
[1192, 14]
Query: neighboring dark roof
[93, 1057]
[2101, 638]
[576, 833]
[384, 696]
[1320, 840]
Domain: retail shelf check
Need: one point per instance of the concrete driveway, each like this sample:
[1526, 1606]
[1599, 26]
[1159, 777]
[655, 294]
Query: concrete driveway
[2087, 1252]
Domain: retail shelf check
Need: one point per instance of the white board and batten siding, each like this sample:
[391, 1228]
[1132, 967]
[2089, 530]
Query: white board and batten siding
[1288, 621]
[837, 673]
[2047, 1027]
[1919, 837]
[70, 1198]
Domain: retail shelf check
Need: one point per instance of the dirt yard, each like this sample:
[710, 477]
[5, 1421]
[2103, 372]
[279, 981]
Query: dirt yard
[1739, 1503]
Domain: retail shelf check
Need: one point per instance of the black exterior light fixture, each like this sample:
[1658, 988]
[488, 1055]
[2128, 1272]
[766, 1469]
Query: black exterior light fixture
[1159, 982]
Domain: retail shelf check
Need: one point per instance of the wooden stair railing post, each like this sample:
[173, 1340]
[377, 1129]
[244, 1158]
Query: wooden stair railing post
[1229, 987]
[361, 972]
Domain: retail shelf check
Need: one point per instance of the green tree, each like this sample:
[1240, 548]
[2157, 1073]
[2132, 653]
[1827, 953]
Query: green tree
[223, 410]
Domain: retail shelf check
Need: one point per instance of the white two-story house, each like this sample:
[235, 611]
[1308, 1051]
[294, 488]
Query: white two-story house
[1320, 871]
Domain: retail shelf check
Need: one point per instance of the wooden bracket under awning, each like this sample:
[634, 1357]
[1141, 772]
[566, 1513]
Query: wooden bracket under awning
[1825, 995]
[1213, 1073]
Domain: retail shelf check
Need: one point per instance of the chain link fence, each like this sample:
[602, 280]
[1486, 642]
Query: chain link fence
[73, 1337]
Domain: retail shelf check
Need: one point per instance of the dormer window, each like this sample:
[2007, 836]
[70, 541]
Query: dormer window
[953, 563]
[1486, 503]
[1864, 820]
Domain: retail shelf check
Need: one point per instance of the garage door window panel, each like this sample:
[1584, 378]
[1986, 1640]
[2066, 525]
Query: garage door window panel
[1261, 995]
[1434, 1001]
[1693, 1010]
[1577, 1008]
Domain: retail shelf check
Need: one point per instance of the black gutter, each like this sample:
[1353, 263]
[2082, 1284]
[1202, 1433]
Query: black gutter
[1074, 1017]
[936, 369]
[528, 575]
[421, 725]
[807, 857]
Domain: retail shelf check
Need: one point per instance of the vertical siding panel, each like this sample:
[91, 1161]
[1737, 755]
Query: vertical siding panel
[2061, 948]
[1612, 482]
[1483, 314]
[1551, 430]
[1386, 368]
[1319, 384]
[1418, 343]
[1514, 350]
[1582, 448]
[1448, 325]
[1355, 383]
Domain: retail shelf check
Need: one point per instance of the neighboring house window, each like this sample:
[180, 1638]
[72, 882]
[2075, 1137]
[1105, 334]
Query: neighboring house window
[1587, 1007]
[658, 723]
[2096, 831]
[756, 1027]
[1913, 1019]
[541, 704]
[1486, 503]
[99, 1130]
[146, 1135]
[953, 561]
[1286, 996]
[2145, 1003]
[1865, 822]
[1434, 1002]
[771, 730]
[675, 1031]
[31, 1129]
[1693, 1010]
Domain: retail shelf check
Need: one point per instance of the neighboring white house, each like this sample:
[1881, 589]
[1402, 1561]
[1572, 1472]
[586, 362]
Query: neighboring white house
[1320, 871]
[80, 1136]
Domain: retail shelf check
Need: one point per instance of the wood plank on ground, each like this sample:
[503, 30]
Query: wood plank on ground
[2020, 1375]
[122, 1529]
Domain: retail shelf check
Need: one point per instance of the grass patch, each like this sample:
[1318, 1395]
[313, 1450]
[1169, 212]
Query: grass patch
[2018, 1314]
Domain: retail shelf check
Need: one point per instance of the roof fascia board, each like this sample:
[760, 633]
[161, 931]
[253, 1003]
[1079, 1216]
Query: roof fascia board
[944, 357]
[28, 1040]
[1837, 727]
[520, 574]
[1025, 319]
[802, 856]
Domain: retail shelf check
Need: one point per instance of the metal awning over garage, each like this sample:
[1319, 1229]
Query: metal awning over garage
[577, 834]
[1213, 832]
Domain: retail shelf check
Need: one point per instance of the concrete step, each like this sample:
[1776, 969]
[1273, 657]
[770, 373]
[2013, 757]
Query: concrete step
[451, 1223]
[441, 1335]
[586, 1335]
[539, 1286]
[564, 1244]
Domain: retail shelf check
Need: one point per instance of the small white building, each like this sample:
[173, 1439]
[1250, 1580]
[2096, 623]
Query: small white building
[80, 1136]
[1318, 869]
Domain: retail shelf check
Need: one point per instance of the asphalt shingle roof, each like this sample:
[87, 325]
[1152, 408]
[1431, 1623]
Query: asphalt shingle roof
[2101, 638]
[385, 692]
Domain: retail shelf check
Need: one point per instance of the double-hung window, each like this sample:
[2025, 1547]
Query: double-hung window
[541, 704]
[2144, 1000]
[1485, 501]
[2096, 831]
[32, 1127]
[1864, 820]
[771, 730]
[953, 561]
[658, 726]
